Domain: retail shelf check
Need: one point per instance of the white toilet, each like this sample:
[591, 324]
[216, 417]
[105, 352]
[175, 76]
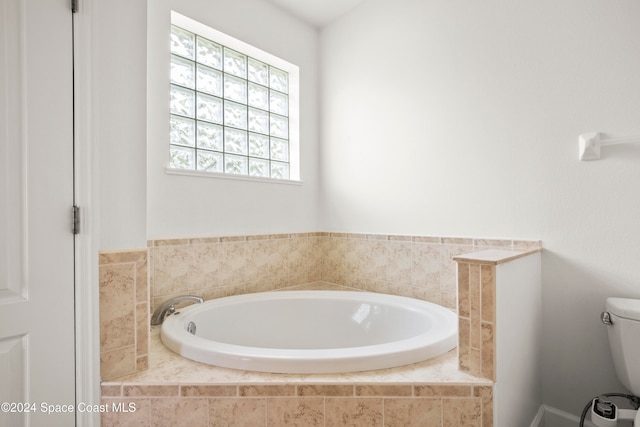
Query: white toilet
[623, 317]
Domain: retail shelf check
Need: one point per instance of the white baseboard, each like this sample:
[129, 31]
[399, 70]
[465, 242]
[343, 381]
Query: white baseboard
[538, 420]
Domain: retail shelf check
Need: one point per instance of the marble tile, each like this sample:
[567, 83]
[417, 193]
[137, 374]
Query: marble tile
[383, 390]
[479, 357]
[138, 412]
[475, 362]
[121, 256]
[299, 412]
[494, 256]
[526, 244]
[117, 305]
[412, 412]
[464, 307]
[324, 390]
[266, 390]
[142, 278]
[124, 295]
[299, 254]
[207, 266]
[426, 265]
[439, 390]
[464, 347]
[117, 363]
[483, 244]
[204, 240]
[486, 394]
[208, 390]
[172, 270]
[426, 239]
[278, 256]
[111, 390]
[448, 299]
[151, 390]
[142, 362]
[142, 329]
[448, 265]
[364, 412]
[257, 262]
[226, 239]
[474, 305]
[232, 260]
[457, 241]
[118, 332]
[400, 262]
[169, 242]
[400, 238]
[488, 351]
[237, 412]
[377, 237]
[171, 412]
[377, 259]
[488, 284]
[458, 412]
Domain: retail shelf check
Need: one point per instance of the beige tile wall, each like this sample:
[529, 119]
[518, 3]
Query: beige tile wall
[419, 405]
[415, 266]
[223, 266]
[124, 312]
[476, 317]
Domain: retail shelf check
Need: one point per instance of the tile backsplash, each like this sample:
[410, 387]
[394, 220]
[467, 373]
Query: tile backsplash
[223, 266]
[134, 282]
[477, 319]
[124, 312]
[415, 266]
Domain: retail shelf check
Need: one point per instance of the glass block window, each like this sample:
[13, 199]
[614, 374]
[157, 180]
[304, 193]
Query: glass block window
[229, 112]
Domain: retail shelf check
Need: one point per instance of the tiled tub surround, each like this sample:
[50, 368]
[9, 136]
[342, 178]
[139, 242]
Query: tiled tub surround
[499, 336]
[476, 319]
[223, 266]
[413, 266]
[277, 405]
[124, 312]
[178, 391]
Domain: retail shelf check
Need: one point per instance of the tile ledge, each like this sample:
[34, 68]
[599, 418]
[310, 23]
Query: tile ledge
[494, 256]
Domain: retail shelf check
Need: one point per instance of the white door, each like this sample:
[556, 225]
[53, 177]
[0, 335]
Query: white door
[36, 194]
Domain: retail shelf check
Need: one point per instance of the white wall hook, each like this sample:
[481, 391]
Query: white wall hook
[589, 144]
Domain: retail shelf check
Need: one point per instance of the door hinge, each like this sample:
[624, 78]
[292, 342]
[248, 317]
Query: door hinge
[75, 218]
[74, 6]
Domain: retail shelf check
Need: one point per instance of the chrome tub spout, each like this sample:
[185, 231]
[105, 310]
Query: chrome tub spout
[168, 307]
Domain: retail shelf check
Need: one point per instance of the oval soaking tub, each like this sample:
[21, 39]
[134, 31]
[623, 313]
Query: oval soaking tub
[311, 331]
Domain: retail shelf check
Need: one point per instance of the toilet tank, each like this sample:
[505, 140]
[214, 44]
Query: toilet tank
[624, 340]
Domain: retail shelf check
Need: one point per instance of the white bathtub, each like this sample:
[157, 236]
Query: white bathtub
[311, 331]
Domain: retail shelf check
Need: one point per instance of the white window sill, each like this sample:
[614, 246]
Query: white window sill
[201, 174]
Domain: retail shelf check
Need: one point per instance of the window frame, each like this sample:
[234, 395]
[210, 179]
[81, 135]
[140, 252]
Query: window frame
[293, 71]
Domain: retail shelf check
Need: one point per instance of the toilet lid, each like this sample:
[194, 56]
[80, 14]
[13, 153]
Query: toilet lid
[624, 307]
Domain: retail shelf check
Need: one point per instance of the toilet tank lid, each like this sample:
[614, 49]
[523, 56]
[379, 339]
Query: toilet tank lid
[624, 307]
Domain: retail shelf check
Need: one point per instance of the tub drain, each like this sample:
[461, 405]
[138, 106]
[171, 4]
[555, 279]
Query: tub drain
[191, 328]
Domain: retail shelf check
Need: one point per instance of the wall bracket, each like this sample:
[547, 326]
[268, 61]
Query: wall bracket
[589, 144]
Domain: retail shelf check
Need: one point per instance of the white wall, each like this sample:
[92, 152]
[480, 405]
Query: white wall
[184, 206]
[462, 118]
[118, 120]
[518, 390]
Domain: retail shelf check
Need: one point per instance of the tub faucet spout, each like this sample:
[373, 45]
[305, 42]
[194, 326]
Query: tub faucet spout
[168, 307]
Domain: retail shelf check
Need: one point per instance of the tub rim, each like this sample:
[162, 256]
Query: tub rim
[415, 349]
